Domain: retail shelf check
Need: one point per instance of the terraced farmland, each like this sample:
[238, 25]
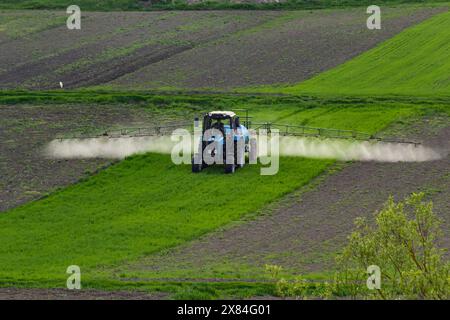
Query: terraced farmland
[110, 45]
[27, 174]
[147, 224]
[289, 49]
[155, 204]
[304, 231]
[413, 63]
[167, 50]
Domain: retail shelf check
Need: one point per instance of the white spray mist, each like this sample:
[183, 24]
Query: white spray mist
[344, 150]
[347, 150]
[111, 148]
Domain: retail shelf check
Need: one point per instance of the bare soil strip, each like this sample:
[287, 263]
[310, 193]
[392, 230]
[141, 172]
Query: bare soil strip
[63, 294]
[96, 27]
[114, 69]
[305, 234]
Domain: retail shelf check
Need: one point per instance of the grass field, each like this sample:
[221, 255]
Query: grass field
[138, 207]
[413, 63]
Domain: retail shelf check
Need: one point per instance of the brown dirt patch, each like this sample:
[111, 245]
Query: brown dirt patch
[63, 294]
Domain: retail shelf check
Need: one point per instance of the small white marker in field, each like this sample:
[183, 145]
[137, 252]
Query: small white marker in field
[61, 84]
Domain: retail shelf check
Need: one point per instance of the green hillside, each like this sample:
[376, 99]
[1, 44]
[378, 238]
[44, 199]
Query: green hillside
[415, 62]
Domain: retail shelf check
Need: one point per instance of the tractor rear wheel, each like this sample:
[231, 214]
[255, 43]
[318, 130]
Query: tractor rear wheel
[239, 157]
[196, 167]
[230, 168]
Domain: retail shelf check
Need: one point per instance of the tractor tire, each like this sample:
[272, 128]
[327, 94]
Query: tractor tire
[230, 168]
[196, 168]
[239, 162]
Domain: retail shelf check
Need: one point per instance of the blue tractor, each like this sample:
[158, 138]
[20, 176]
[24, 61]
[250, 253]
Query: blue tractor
[220, 129]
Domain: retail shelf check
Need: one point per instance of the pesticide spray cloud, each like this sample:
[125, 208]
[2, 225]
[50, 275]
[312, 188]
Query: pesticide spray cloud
[356, 150]
[111, 148]
[119, 148]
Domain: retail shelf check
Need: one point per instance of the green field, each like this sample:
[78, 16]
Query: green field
[413, 63]
[135, 208]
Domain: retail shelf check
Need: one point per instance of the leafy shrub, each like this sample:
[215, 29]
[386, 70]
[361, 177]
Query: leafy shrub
[403, 244]
[301, 288]
[273, 270]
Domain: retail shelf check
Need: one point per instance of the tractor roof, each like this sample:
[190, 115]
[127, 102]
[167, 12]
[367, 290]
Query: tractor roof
[221, 114]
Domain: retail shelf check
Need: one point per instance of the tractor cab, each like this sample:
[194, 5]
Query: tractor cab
[224, 121]
[216, 127]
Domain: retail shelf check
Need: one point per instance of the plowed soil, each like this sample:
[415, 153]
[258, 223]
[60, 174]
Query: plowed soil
[288, 49]
[119, 42]
[214, 49]
[62, 294]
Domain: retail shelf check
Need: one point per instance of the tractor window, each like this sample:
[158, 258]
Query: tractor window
[237, 122]
[218, 124]
[206, 123]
